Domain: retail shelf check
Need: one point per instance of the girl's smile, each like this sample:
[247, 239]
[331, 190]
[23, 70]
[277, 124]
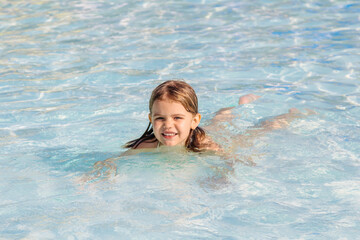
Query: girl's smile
[171, 122]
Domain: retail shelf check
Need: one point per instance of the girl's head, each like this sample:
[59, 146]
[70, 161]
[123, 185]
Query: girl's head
[174, 117]
[174, 113]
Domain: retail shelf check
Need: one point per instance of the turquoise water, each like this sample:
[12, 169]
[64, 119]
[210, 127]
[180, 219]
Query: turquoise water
[75, 78]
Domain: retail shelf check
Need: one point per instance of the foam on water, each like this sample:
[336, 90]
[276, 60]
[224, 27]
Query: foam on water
[75, 78]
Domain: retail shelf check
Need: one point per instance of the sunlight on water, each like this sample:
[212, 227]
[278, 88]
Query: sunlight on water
[75, 79]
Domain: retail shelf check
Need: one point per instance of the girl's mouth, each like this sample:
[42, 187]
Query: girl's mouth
[168, 135]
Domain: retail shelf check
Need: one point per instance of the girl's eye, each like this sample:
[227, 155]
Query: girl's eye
[177, 118]
[159, 118]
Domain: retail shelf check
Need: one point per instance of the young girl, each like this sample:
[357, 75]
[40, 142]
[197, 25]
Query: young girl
[174, 121]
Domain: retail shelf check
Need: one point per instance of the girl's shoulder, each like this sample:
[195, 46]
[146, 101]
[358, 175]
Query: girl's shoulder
[209, 144]
[148, 144]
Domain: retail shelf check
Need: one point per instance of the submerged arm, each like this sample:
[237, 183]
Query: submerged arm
[105, 169]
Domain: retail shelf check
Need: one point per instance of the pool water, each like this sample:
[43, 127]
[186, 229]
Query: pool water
[75, 79]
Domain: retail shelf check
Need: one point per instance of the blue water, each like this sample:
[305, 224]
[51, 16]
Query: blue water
[75, 79]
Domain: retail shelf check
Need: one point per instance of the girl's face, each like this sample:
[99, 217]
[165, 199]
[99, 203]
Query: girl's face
[171, 122]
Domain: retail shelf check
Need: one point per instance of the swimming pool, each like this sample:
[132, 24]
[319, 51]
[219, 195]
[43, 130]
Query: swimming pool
[75, 78]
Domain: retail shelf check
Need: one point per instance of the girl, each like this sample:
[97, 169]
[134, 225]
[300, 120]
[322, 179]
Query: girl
[174, 120]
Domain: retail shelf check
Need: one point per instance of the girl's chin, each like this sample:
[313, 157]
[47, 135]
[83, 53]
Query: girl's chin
[170, 145]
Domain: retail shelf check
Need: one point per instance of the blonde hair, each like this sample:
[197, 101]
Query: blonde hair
[178, 91]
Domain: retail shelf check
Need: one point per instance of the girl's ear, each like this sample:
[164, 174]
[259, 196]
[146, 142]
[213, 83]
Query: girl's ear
[196, 120]
[150, 118]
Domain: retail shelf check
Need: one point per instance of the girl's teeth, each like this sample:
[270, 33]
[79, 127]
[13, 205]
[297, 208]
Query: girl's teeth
[169, 134]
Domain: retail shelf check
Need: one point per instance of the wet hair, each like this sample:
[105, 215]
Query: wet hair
[183, 93]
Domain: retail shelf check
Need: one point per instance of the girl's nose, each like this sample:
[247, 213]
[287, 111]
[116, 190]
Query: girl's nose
[168, 123]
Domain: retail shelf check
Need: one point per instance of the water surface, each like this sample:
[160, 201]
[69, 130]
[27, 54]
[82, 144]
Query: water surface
[75, 79]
